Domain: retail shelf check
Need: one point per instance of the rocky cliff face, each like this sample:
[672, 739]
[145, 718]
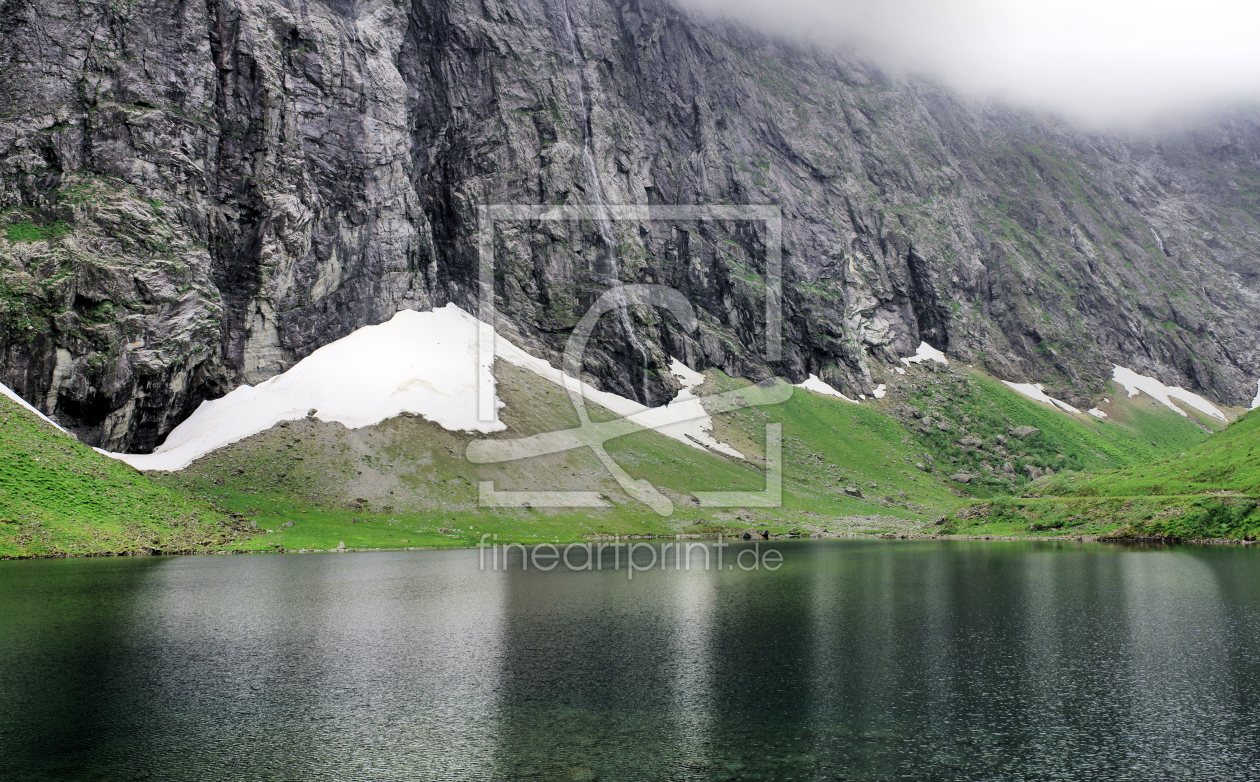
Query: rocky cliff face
[197, 195]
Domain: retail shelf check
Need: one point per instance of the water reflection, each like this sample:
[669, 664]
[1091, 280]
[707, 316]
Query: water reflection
[855, 660]
[62, 646]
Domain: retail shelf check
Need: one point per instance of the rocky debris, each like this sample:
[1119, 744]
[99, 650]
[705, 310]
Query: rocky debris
[287, 524]
[1033, 472]
[921, 466]
[962, 477]
[971, 441]
[1000, 441]
[852, 491]
[1024, 432]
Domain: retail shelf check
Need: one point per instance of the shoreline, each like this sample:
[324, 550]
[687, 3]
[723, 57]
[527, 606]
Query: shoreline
[738, 537]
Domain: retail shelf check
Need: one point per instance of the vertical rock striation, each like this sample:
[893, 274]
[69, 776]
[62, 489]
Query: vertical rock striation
[195, 196]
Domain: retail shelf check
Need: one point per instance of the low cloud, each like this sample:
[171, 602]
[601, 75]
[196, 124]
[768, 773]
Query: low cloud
[1106, 62]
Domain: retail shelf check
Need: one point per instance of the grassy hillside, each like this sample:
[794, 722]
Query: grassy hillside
[847, 467]
[1210, 491]
[939, 439]
[57, 496]
[972, 425]
[405, 482]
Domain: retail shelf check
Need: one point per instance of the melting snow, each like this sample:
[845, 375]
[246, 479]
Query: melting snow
[1133, 383]
[424, 363]
[813, 383]
[1097, 413]
[926, 353]
[881, 391]
[1256, 402]
[683, 419]
[1037, 393]
[10, 393]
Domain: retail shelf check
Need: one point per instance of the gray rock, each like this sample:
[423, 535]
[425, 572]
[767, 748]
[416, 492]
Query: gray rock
[1024, 432]
[962, 477]
[208, 195]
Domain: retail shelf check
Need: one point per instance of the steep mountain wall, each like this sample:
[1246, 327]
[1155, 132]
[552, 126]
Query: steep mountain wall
[197, 195]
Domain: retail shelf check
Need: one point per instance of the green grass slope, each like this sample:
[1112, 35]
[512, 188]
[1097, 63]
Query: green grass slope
[1209, 492]
[852, 468]
[889, 465]
[405, 482]
[970, 424]
[59, 497]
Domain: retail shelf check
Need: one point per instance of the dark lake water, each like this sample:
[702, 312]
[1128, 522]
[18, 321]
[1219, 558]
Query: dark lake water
[855, 660]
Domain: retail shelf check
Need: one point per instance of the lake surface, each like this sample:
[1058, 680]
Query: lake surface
[854, 660]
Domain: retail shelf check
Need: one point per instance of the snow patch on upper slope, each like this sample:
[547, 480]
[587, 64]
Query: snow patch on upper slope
[683, 419]
[815, 384]
[1256, 402]
[684, 416]
[425, 363]
[1133, 383]
[926, 352]
[1037, 392]
[10, 393]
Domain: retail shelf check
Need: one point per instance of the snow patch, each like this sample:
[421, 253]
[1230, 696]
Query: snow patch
[425, 363]
[10, 393]
[881, 391]
[899, 370]
[689, 377]
[1097, 413]
[1133, 383]
[1037, 392]
[813, 383]
[926, 353]
[1256, 402]
[683, 419]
